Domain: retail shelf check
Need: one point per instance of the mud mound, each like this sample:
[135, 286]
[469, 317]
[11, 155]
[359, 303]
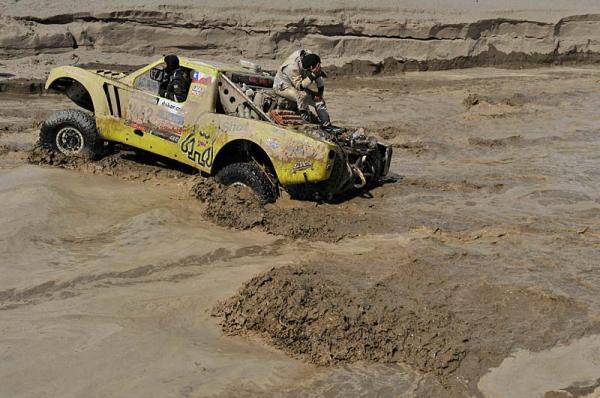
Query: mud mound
[388, 132]
[472, 99]
[316, 319]
[493, 143]
[42, 156]
[238, 208]
[127, 165]
[438, 320]
[231, 206]
[496, 107]
[516, 100]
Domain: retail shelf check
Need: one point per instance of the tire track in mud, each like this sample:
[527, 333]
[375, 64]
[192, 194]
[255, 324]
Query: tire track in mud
[193, 265]
[233, 208]
[238, 208]
[361, 214]
[430, 148]
[464, 186]
[230, 206]
[125, 164]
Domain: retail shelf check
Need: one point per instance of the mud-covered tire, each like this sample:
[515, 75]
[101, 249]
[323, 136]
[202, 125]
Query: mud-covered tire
[251, 175]
[71, 132]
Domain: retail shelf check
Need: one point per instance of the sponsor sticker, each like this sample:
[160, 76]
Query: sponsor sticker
[171, 106]
[197, 89]
[174, 118]
[302, 165]
[165, 135]
[202, 78]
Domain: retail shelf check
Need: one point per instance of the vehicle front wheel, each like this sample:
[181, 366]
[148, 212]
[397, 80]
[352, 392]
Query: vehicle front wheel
[250, 175]
[71, 132]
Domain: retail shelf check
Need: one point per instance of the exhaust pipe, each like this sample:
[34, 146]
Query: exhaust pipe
[362, 181]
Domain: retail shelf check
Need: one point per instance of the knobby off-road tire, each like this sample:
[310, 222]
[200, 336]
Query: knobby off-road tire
[252, 176]
[71, 132]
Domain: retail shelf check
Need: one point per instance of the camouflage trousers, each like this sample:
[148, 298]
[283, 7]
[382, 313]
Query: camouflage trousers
[304, 100]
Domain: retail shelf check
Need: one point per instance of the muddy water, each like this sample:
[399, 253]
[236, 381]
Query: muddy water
[117, 280]
[528, 374]
[493, 217]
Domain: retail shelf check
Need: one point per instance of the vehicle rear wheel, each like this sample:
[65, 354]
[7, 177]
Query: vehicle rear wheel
[72, 133]
[252, 176]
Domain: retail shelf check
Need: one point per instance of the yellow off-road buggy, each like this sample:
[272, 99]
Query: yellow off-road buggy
[231, 125]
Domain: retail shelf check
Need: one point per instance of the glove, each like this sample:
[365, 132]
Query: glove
[306, 82]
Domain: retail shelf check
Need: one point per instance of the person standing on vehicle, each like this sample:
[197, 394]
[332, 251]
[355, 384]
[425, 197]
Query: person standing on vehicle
[176, 81]
[293, 79]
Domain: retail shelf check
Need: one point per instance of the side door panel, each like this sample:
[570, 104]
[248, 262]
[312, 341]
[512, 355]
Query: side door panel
[186, 131]
[202, 129]
[198, 145]
[156, 116]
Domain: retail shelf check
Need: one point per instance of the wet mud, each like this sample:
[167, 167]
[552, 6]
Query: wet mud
[123, 163]
[231, 207]
[481, 244]
[323, 321]
[461, 288]
[238, 208]
[419, 315]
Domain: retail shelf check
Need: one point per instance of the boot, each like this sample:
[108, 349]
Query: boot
[323, 114]
[305, 115]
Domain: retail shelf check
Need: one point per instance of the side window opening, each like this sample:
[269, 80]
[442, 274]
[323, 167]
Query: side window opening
[174, 86]
[146, 83]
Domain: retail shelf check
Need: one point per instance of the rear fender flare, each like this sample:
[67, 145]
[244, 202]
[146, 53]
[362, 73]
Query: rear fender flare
[60, 78]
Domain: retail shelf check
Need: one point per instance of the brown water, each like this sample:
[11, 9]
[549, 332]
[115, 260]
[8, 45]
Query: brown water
[108, 284]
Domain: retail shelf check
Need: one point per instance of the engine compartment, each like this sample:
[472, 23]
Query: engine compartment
[361, 160]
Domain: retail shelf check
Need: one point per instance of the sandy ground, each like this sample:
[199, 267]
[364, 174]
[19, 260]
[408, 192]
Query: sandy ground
[472, 271]
[442, 10]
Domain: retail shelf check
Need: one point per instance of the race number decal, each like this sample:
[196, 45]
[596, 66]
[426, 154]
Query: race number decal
[202, 156]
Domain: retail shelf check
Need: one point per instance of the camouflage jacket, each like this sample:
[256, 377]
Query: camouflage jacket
[292, 74]
[176, 86]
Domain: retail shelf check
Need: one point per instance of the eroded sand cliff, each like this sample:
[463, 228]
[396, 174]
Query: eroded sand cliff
[382, 36]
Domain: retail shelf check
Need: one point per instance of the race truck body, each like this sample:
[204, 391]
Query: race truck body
[231, 125]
